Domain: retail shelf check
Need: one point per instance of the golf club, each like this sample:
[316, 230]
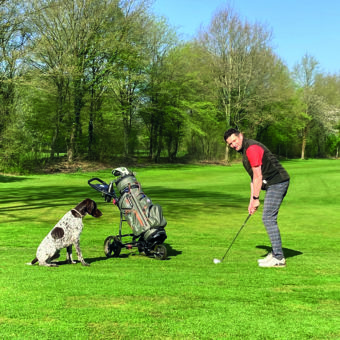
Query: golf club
[219, 261]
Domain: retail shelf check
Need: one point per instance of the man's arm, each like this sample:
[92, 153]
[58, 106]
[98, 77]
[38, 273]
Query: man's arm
[255, 189]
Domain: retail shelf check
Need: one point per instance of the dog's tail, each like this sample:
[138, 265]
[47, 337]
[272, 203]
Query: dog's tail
[33, 262]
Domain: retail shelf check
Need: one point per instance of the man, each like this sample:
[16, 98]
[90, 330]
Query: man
[267, 174]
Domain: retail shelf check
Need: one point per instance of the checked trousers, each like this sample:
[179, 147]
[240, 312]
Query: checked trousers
[272, 202]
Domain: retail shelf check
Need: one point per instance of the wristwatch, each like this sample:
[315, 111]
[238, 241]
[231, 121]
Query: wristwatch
[256, 197]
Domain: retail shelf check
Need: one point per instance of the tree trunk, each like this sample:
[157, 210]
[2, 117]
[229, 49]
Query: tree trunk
[91, 135]
[59, 113]
[54, 140]
[70, 151]
[126, 137]
[226, 155]
[90, 125]
[304, 141]
[76, 129]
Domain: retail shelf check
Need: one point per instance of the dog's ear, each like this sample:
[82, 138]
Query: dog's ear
[84, 207]
[90, 206]
[57, 233]
[93, 211]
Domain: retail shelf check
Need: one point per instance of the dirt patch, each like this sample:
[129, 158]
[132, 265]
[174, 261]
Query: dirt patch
[63, 166]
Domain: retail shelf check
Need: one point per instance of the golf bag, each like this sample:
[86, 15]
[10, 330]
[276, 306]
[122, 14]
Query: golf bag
[138, 210]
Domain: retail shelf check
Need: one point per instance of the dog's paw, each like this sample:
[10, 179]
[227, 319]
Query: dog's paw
[85, 264]
[71, 262]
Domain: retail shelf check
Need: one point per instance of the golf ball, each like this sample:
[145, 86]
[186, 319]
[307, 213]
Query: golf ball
[217, 261]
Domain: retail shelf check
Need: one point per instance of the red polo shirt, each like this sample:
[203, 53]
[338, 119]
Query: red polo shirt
[254, 155]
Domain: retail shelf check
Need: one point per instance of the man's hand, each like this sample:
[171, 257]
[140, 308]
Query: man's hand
[253, 205]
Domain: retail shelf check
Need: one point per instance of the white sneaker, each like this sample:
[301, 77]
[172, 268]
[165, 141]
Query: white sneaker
[267, 258]
[273, 262]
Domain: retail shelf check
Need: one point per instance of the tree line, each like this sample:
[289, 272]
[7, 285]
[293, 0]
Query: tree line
[105, 79]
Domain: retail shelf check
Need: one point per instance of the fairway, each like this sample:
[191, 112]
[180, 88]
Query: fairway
[186, 296]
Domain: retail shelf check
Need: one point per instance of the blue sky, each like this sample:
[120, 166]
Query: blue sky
[298, 26]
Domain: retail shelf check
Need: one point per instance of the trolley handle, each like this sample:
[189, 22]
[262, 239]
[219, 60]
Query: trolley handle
[96, 179]
[101, 186]
[107, 190]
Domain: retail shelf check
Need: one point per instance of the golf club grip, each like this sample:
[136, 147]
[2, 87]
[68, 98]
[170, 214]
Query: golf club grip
[232, 242]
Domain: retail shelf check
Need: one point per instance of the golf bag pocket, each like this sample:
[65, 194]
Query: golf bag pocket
[139, 212]
[132, 213]
[156, 217]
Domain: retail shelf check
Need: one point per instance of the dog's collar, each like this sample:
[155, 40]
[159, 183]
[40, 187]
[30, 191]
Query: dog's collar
[80, 215]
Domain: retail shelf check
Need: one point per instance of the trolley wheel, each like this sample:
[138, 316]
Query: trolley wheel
[142, 250]
[112, 246]
[160, 252]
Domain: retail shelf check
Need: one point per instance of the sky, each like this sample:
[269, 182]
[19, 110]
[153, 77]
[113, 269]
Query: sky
[298, 27]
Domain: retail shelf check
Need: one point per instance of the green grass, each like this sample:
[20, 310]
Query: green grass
[186, 296]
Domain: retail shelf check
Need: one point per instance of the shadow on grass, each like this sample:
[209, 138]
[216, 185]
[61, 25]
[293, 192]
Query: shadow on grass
[171, 253]
[287, 252]
[10, 179]
[96, 259]
[178, 201]
[104, 258]
[88, 260]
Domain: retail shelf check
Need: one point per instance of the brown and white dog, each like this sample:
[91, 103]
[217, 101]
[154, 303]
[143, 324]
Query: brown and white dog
[65, 234]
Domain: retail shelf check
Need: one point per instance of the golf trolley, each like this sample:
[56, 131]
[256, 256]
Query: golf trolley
[145, 219]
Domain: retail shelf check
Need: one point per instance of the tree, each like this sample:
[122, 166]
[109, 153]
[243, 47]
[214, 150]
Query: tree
[129, 77]
[13, 38]
[238, 52]
[203, 128]
[160, 41]
[51, 57]
[185, 96]
[71, 43]
[328, 87]
[304, 74]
